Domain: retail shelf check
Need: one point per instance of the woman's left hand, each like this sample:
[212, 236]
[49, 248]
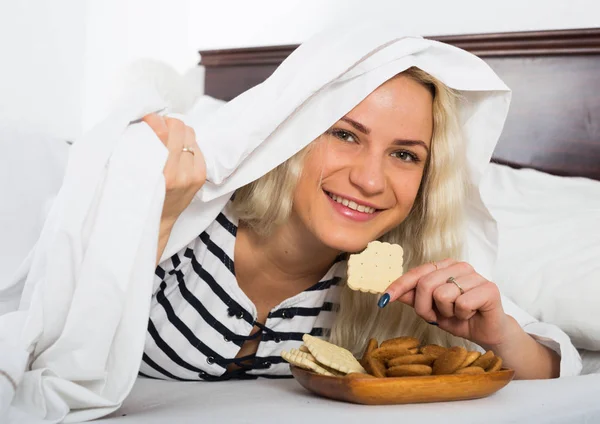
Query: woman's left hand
[455, 297]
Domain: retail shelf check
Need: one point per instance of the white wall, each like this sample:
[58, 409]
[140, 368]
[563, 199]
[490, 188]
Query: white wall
[237, 23]
[42, 45]
[118, 33]
[60, 58]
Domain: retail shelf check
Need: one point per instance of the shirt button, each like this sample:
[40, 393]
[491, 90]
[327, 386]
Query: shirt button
[284, 314]
[210, 360]
[267, 364]
[277, 339]
[240, 315]
[225, 338]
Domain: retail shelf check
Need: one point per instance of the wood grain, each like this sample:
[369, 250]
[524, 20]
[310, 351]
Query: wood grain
[368, 390]
[554, 121]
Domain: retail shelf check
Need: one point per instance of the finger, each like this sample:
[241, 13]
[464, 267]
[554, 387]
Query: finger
[199, 172]
[189, 142]
[445, 295]
[176, 134]
[175, 145]
[430, 282]
[158, 125]
[408, 281]
[407, 298]
[484, 298]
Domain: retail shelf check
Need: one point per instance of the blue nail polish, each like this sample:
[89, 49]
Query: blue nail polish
[433, 323]
[383, 300]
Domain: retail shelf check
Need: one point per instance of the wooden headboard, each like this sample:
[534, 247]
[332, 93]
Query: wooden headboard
[554, 120]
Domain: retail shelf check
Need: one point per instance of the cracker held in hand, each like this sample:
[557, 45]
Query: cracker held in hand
[375, 268]
[332, 356]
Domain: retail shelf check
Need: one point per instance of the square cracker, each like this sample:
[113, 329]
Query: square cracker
[306, 361]
[332, 356]
[376, 267]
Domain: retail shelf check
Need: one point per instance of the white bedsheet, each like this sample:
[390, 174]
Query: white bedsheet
[567, 400]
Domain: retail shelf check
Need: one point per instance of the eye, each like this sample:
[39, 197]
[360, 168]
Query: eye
[406, 156]
[344, 135]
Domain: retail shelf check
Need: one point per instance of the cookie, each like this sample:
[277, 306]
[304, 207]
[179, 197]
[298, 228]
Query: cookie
[406, 342]
[471, 357]
[418, 359]
[375, 367]
[411, 370]
[433, 350]
[375, 268]
[485, 360]
[385, 353]
[332, 356]
[306, 355]
[302, 360]
[470, 371]
[371, 346]
[449, 361]
[496, 364]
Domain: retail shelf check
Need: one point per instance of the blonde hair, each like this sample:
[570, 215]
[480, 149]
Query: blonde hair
[431, 232]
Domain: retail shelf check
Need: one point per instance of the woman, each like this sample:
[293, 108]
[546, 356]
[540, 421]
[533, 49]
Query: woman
[391, 169]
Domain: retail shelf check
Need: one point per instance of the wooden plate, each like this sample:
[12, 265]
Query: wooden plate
[369, 390]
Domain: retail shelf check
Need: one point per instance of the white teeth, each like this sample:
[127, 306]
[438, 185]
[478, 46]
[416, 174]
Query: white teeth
[351, 204]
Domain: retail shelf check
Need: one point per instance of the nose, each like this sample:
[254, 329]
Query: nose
[367, 173]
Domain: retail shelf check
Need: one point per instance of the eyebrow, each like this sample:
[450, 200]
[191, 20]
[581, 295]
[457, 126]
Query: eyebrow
[400, 142]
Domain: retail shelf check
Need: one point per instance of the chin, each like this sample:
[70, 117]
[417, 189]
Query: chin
[345, 242]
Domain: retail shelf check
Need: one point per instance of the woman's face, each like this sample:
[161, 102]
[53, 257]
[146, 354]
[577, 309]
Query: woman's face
[361, 178]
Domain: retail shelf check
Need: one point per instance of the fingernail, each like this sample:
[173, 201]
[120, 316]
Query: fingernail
[432, 323]
[383, 300]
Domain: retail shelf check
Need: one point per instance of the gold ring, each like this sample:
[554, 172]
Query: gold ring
[188, 150]
[452, 280]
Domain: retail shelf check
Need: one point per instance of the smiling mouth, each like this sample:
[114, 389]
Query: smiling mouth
[352, 204]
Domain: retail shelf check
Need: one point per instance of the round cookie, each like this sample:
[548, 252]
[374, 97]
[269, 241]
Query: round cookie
[485, 360]
[433, 350]
[471, 357]
[470, 371]
[385, 353]
[450, 361]
[375, 367]
[371, 346]
[496, 364]
[411, 370]
[418, 359]
[405, 342]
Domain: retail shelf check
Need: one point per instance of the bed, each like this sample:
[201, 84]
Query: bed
[555, 131]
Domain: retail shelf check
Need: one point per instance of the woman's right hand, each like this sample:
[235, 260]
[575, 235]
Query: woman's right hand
[184, 171]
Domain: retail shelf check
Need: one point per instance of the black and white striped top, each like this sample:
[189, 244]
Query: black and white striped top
[200, 317]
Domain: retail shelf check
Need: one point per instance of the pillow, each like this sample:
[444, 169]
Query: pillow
[590, 361]
[32, 166]
[549, 247]
[204, 106]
